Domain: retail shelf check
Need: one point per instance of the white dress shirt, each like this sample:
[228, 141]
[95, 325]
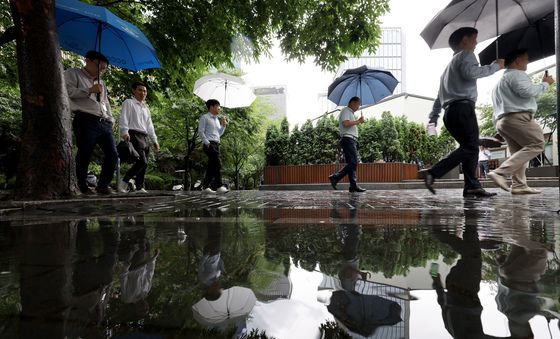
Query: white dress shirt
[135, 115]
[515, 92]
[209, 128]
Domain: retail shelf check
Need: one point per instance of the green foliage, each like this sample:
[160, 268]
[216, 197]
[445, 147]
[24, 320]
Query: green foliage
[389, 138]
[331, 330]
[546, 108]
[369, 146]
[487, 126]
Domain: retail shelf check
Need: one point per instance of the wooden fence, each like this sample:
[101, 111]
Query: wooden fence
[318, 174]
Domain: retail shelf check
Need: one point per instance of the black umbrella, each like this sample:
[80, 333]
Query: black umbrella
[538, 38]
[363, 313]
[490, 142]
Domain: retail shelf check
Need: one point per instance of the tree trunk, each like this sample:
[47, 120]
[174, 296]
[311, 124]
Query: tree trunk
[46, 167]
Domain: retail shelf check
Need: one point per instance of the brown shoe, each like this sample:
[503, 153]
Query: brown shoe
[105, 190]
[87, 191]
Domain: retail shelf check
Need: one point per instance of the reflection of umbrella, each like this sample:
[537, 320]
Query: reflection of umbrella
[234, 304]
[82, 28]
[538, 38]
[483, 15]
[363, 313]
[229, 90]
[371, 85]
[489, 142]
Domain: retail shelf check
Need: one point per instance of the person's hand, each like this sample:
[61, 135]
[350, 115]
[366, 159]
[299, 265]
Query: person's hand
[125, 137]
[500, 62]
[365, 275]
[223, 121]
[156, 146]
[548, 79]
[97, 88]
[361, 120]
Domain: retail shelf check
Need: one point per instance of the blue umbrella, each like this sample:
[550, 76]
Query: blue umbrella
[82, 28]
[370, 84]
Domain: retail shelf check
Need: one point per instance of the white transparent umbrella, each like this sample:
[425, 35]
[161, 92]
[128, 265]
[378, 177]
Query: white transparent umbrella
[230, 91]
[233, 305]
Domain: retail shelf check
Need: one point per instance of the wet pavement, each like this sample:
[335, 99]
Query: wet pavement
[328, 264]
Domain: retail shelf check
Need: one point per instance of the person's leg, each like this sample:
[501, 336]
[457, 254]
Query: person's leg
[107, 143]
[85, 142]
[525, 139]
[209, 171]
[351, 157]
[217, 167]
[460, 121]
[138, 170]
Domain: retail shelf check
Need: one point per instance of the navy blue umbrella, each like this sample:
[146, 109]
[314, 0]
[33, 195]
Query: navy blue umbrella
[370, 84]
[82, 27]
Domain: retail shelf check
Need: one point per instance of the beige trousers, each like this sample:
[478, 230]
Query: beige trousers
[525, 141]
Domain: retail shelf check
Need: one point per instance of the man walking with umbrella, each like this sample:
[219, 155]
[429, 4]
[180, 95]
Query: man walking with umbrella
[348, 125]
[210, 129]
[514, 106]
[457, 95]
[93, 120]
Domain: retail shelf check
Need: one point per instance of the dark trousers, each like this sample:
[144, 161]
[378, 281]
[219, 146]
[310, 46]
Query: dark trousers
[138, 170]
[350, 149]
[484, 168]
[90, 131]
[214, 167]
[460, 121]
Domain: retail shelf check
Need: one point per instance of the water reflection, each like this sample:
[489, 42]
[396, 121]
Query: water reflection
[354, 265]
[460, 305]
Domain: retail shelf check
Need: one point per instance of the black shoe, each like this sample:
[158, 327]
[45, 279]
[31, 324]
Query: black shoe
[428, 180]
[478, 192]
[356, 189]
[104, 190]
[87, 191]
[333, 181]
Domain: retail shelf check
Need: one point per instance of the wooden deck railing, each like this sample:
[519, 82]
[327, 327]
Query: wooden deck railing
[318, 174]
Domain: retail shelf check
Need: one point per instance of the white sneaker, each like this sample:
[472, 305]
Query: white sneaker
[123, 187]
[222, 189]
[142, 190]
[208, 190]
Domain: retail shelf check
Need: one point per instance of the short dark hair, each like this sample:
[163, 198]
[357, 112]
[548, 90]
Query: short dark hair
[511, 56]
[212, 102]
[138, 83]
[354, 99]
[95, 55]
[457, 36]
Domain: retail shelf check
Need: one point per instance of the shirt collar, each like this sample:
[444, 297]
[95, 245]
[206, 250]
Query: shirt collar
[138, 102]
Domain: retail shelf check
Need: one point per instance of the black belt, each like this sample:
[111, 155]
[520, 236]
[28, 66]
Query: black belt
[214, 142]
[461, 101]
[350, 136]
[92, 116]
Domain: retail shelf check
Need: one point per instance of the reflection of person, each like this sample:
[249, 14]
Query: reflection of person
[93, 120]
[348, 125]
[211, 266]
[484, 157]
[92, 277]
[135, 126]
[210, 129]
[457, 95]
[349, 236]
[137, 273]
[460, 305]
[514, 106]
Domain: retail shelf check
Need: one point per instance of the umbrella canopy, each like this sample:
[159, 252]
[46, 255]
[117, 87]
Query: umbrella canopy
[234, 304]
[82, 28]
[370, 84]
[230, 91]
[538, 38]
[363, 313]
[490, 142]
[483, 15]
